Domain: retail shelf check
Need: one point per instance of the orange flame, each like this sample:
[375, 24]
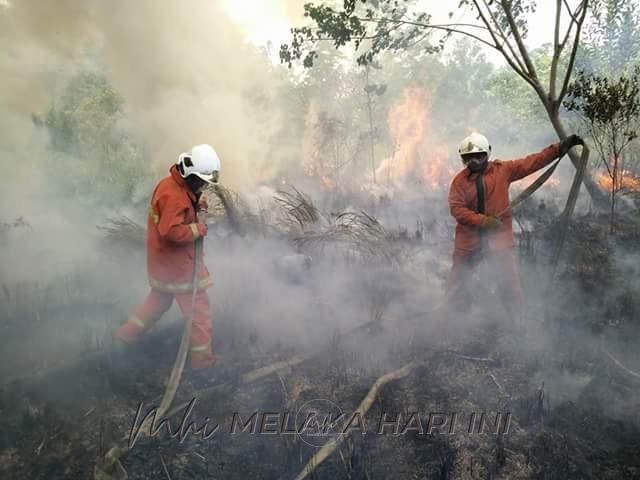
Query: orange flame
[416, 151]
[627, 180]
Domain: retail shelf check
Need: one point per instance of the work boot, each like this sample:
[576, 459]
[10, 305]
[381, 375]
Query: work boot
[119, 367]
[131, 331]
[201, 372]
[202, 360]
[120, 352]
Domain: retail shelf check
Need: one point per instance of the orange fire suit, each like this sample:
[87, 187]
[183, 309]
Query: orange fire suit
[498, 242]
[171, 233]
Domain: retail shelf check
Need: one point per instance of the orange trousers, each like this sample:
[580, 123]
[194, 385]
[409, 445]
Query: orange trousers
[156, 304]
[502, 271]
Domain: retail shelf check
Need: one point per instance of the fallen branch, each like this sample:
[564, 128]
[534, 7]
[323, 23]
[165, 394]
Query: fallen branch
[473, 359]
[258, 373]
[619, 364]
[109, 467]
[329, 447]
[248, 377]
[495, 381]
[164, 466]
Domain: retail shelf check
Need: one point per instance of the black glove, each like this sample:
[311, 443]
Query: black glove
[570, 142]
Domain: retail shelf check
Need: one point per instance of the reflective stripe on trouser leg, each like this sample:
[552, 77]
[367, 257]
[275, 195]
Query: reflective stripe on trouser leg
[154, 306]
[130, 331]
[136, 321]
[201, 326]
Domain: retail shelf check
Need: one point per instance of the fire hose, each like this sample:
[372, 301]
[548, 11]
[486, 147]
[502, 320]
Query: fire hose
[562, 225]
[563, 222]
[562, 228]
[110, 468]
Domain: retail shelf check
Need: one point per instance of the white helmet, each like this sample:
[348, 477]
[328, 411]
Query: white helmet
[201, 161]
[474, 143]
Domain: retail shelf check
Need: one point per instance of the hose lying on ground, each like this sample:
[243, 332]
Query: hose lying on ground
[111, 460]
[109, 467]
[619, 364]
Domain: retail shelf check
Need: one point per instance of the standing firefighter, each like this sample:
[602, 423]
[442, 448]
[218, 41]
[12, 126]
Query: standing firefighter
[172, 230]
[479, 201]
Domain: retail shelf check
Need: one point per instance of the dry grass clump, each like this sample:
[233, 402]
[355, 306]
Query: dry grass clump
[360, 232]
[299, 211]
[123, 230]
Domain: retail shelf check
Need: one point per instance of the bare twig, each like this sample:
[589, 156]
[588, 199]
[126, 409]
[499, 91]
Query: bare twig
[495, 381]
[122, 229]
[164, 466]
[39, 448]
[200, 456]
[473, 359]
[619, 364]
[328, 448]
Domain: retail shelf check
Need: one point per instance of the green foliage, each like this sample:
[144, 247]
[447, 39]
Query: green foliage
[380, 24]
[521, 102]
[613, 37]
[90, 155]
[606, 102]
[517, 9]
[611, 113]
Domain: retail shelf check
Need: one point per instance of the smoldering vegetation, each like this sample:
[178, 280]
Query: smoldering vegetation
[329, 246]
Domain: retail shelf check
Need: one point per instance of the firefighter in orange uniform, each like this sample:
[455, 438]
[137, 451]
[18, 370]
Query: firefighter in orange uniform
[172, 229]
[477, 195]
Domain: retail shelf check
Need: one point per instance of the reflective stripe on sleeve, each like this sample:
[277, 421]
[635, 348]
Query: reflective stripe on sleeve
[155, 217]
[201, 348]
[136, 321]
[194, 230]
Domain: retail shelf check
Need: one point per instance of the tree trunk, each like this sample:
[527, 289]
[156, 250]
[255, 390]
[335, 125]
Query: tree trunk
[613, 211]
[598, 196]
[615, 182]
[370, 110]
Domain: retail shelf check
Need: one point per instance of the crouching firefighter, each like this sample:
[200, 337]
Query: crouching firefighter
[172, 230]
[479, 201]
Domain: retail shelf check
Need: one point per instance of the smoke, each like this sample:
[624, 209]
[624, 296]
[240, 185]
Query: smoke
[183, 69]
[187, 75]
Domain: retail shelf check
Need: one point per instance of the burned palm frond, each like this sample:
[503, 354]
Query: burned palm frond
[361, 232]
[229, 205]
[298, 208]
[123, 229]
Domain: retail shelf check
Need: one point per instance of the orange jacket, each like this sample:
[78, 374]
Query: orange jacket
[171, 234]
[463, 199]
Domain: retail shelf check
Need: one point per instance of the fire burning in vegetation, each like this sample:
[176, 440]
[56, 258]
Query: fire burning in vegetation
[626, 181]
[552, 181]
[416, 149]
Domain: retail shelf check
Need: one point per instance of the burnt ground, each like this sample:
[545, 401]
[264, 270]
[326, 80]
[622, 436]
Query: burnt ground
[573, 411]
